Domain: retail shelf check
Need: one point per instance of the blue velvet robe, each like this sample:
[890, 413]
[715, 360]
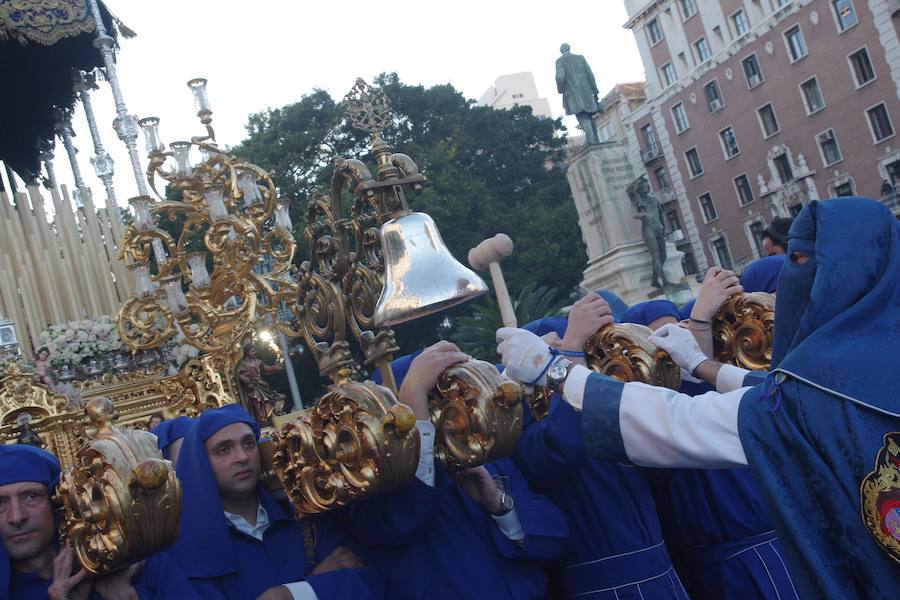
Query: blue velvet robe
[812, 431]
[719, 532]
[617, 546]
[160, 579]
[436, 543]
[282, 557]
[609, 505]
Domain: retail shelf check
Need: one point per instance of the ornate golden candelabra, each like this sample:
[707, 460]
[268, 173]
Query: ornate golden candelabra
[232, 207]
[375, 265]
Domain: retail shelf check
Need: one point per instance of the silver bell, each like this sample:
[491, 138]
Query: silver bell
[421, 277]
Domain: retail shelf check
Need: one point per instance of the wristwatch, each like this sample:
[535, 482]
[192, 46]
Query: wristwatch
[557, 373]
[506, 504]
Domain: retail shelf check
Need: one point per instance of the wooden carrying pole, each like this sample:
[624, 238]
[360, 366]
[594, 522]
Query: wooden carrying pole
[487, 256]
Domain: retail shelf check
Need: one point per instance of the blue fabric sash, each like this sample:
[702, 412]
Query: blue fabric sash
[617, 571]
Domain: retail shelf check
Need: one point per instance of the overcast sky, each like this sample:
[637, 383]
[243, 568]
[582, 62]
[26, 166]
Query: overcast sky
[268, 53]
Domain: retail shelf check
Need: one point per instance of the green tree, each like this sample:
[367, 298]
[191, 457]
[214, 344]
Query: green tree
[489, 171]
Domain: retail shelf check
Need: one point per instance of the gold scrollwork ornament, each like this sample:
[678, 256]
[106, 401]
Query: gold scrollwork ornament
[742, 331]
[624, 351]
[120, 502]
[477, 414]
[356, 441]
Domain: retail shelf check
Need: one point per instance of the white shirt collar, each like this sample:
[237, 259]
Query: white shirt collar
[244, 526]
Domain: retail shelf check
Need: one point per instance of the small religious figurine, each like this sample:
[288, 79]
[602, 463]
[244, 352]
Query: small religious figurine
[575, 81]
[27, 436]
[262, 401]
[649, 210]
[43, 372]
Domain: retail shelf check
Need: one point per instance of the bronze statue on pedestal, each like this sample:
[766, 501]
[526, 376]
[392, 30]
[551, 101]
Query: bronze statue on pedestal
[575, 81]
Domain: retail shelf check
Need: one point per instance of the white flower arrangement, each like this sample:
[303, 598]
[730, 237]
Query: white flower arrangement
[77, 341]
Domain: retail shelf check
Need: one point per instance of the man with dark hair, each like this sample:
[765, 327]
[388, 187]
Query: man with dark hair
[31, 565]
[775, 236]
[236, 541]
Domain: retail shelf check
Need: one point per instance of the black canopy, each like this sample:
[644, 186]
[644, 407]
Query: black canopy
[39, 48]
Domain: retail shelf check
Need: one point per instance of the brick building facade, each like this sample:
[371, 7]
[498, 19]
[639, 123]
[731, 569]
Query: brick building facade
[755, 107]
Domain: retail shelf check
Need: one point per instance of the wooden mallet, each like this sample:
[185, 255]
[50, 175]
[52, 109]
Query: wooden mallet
[487, 255]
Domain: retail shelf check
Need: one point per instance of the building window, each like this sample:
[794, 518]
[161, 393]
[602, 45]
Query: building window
[713, 96]
[654, 32]
[752, 72]
[649, 139]
[723, 254]
[828, 145]
[688, 9]
[844, 14]
[861, 65]
[673, 221]
[662, 180]
[783, 166]
[782, 3]
[679, 115]
[606, 133]
[845, 189]
[703, 51]
[708, 208]
[729, 143]
[812, 96]
[796, 45]
[744, 191]
[740, 23]
[668, 72]
[756, 230]
[794, 209]
[768, 120]
[880, 122]
[693, 163]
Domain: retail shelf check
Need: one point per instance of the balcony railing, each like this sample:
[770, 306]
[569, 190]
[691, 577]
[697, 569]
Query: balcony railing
[650, 154]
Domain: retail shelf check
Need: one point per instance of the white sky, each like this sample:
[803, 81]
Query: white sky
[267, 53]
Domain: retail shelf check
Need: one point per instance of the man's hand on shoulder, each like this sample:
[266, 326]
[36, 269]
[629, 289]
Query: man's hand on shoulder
[341, 558]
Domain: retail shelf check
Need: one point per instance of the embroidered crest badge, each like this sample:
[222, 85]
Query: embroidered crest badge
[880, 497]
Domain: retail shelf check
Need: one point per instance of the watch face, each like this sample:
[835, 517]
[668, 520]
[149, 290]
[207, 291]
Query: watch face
[557, 371]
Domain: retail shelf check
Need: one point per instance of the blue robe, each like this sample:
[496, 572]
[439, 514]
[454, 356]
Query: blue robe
[617, 546]
[160, 579]
[224, 563]
[812, 431]
[436, 543]
[718, 529]
[715, 522]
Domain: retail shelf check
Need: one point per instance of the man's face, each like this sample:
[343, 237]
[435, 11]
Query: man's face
[771, 248]
[26, 519]
[235, 461]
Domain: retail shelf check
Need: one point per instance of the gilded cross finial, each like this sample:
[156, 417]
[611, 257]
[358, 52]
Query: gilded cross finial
[367, 108]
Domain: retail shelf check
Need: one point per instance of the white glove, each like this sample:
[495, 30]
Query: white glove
[681, 346]
[525, 355]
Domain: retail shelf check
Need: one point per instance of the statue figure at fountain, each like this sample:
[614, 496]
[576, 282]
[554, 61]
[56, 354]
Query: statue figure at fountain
[575, 81]
[648, 209]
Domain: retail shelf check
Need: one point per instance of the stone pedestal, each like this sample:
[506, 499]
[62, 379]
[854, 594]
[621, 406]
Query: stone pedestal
[618, 260]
